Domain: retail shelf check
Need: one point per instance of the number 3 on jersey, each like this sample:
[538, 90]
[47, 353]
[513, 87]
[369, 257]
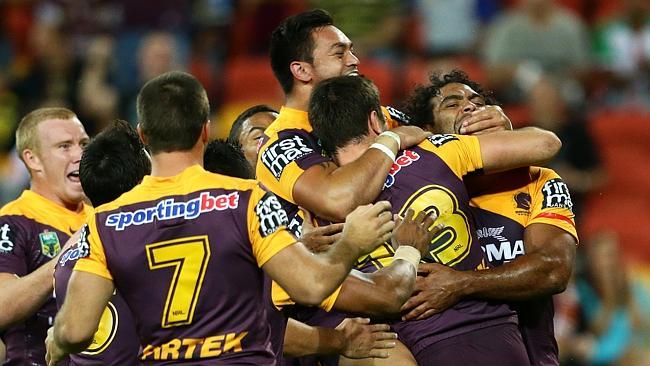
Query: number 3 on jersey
[189, 258]
[452, 244]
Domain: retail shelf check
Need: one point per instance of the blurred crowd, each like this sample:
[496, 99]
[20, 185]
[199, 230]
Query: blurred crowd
[578, 67]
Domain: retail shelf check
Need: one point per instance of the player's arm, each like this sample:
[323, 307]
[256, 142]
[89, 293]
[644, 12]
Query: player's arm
[544, 270]
[78, 319]
[21, 297]
[332, 192]
[309, 278]
[353, 338]
[382, 293]
[507, 150]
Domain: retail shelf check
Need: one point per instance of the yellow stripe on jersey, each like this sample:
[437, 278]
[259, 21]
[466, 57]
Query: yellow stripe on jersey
[192, 179]
[95, 262]
[461, 153]
[541, 197]
[281, 298]
[288, 119]
[267, 226]
[38, 208]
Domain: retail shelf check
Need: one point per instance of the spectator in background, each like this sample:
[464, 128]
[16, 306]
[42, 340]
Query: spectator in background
[622, 47]
[374, 25]
[158, 53]
[448, 26]
[615, 310]
[536, 40]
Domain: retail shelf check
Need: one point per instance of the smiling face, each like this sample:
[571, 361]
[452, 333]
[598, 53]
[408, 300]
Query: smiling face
[55, 165]
[252, 131]
[452, 105]
[333, 54]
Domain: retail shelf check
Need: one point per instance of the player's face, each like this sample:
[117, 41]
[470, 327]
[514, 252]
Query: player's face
[61, 142]
[333, 54]
[252, 131]
[453, 105]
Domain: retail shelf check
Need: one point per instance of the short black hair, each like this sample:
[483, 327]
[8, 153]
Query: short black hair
[339, 109]
[235, 129]
[222, 157]
[293, 41]
[172, 109]
[419, 105]
[112, 163]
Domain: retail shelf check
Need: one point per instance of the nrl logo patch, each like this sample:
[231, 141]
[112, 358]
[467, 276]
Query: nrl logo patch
[50, 245]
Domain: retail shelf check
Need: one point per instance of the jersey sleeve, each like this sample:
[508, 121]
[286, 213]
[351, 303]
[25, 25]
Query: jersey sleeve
[281, 298]
[92, 257]
[267, 226]
[461, 153]
[281, 160]
[14, 245]
[551, 203]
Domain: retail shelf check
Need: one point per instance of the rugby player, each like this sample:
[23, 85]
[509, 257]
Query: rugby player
[524, 224]
[248, 128]
[346, 116]
[34, 228]
[113, 163]
[305, 49]
[185, 246]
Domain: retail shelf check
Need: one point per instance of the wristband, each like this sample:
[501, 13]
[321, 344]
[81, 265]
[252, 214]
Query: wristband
[394, 136]
[383, 148]
[409, 254]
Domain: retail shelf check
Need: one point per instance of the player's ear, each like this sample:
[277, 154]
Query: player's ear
[32, 160]
[142, 136]
[301, 71]
[376, 123]
[205, 133]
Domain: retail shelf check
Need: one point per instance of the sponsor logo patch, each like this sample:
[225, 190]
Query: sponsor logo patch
[556, 195]
[6, 239]
[282, 152]
[270, 214]
[406, 158]
[50, 245]
[170, 209]
[439, 140]
[501, 251]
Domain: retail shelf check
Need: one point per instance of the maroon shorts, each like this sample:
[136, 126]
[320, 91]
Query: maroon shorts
[496, 345]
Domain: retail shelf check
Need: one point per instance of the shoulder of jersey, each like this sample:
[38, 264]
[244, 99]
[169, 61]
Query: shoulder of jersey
[12, 208]
[398, 116]
[205, 180]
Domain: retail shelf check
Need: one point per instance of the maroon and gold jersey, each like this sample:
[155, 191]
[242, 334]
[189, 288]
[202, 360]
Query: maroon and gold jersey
[33, 230]
[502, 213]
[185, 253]
[288, 148]
[115, 343]
[429, 177]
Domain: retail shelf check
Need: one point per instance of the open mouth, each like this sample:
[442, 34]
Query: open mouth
[74, 176]
[353, 73]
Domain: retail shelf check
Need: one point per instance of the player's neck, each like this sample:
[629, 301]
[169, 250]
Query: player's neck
[169, 164]
[41, 188]
[352, 151]
[299, 98]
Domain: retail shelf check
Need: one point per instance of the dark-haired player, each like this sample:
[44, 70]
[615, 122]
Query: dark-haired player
[35, 227]
[524, 224]
[346, 116]
[248, 128]
[184, 248]
[113, 163]
[305, 49]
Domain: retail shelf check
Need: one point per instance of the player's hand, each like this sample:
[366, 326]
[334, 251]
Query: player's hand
[362, 339]
[437, 288]
[410, 135]
[318, 239]
[415, 231]
[368, 226]
[53, 354]
[490, 118]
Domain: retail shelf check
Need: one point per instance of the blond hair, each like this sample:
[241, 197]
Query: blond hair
[26, 137]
